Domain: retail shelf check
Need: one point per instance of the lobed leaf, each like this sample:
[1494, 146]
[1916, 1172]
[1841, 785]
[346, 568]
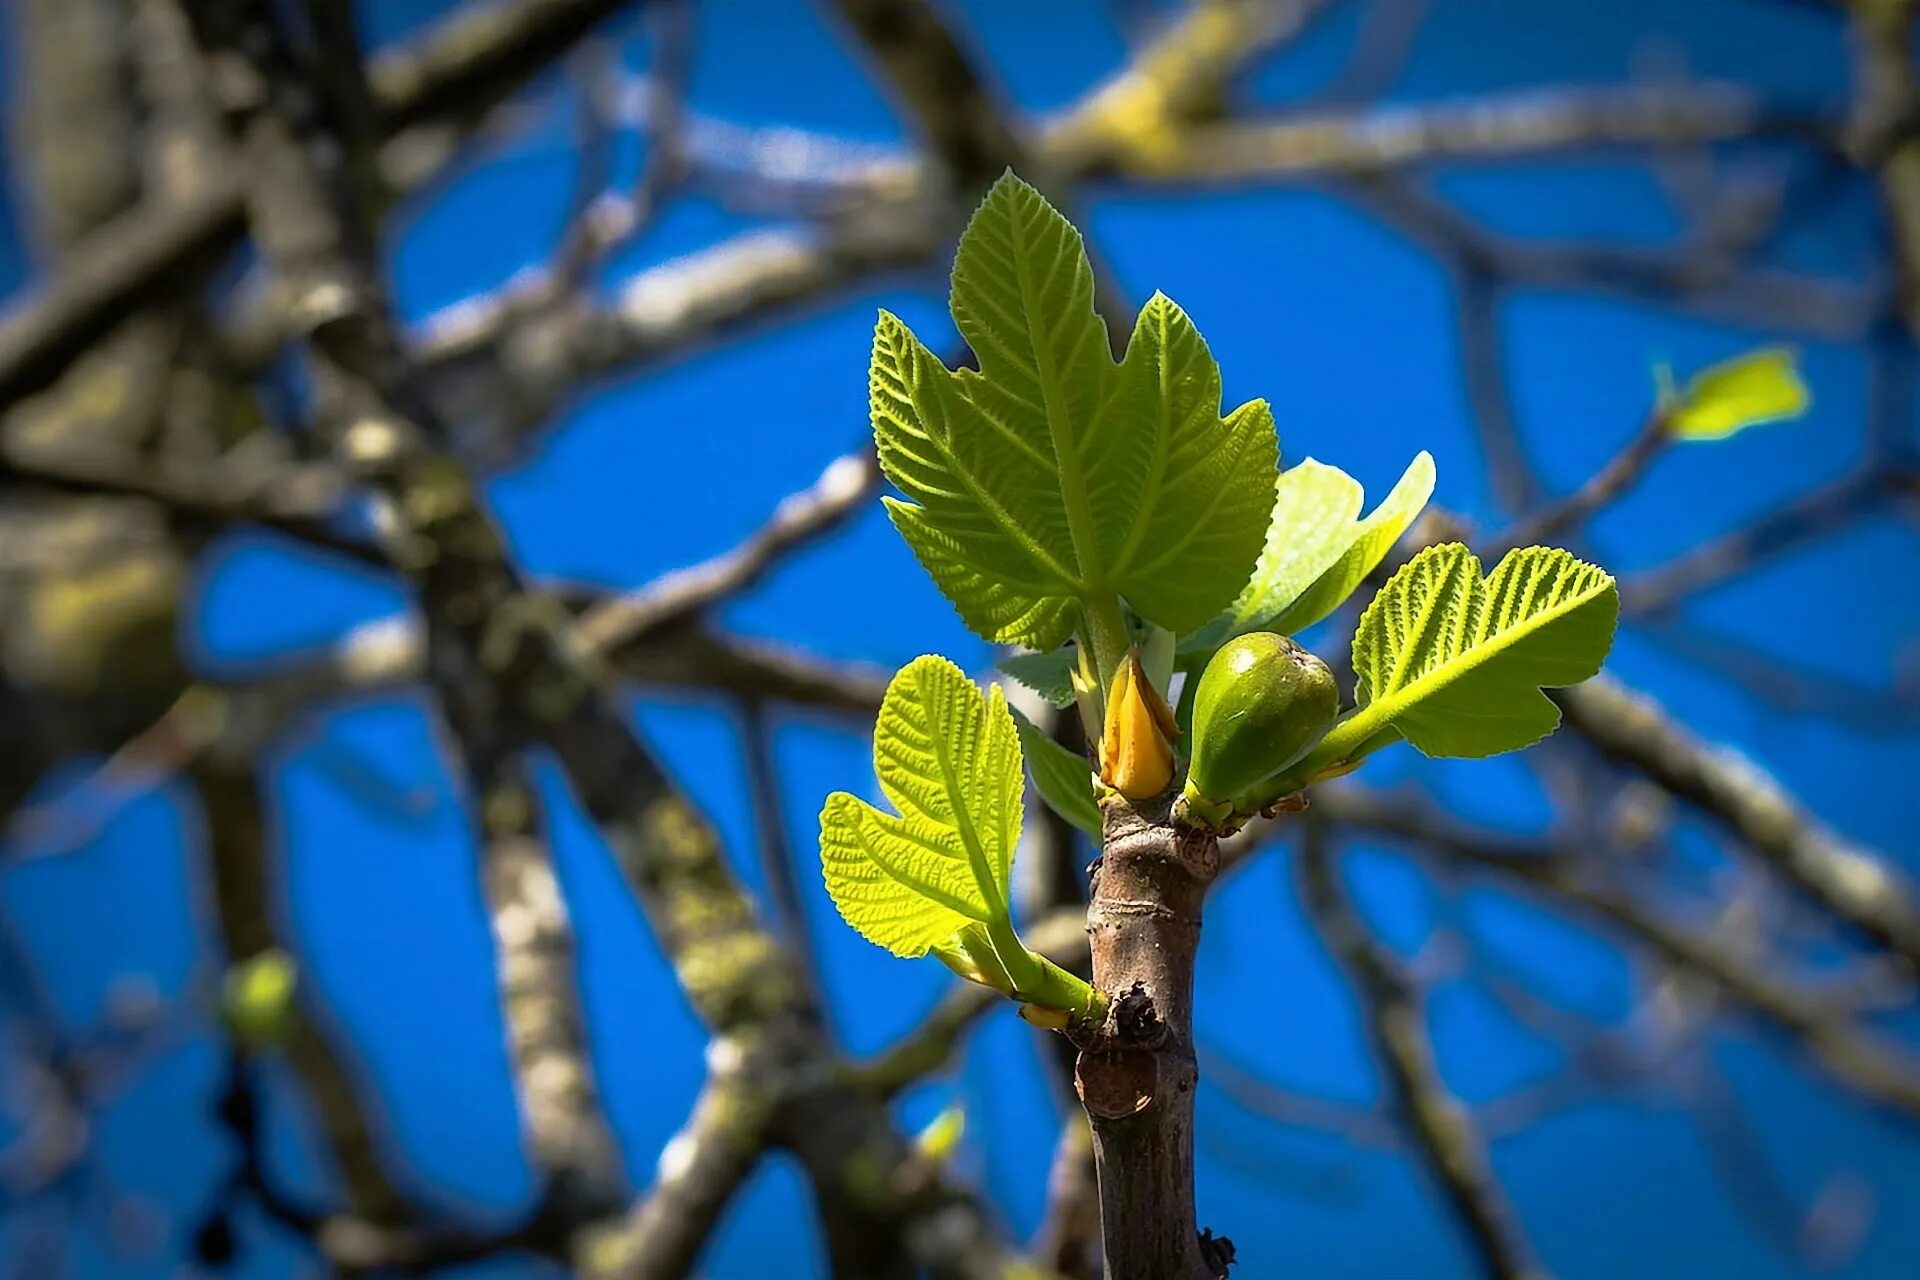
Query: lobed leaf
[1455, 665]
[949, 762]
[1053, 477]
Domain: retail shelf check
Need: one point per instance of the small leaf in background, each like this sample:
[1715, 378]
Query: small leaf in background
[1318, 550]
[1455, 665]
[1053, 478]
[1048, 674]
[1063, 779]
[941, 1138]
[1747, 391]
[949, 761]
[258, 1000]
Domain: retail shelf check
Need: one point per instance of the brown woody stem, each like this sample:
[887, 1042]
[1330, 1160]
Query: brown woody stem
[1136, 1074]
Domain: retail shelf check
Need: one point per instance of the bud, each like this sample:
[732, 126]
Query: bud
[1136, 750]
[259, 999]
[1262, 703]
[941, 1138]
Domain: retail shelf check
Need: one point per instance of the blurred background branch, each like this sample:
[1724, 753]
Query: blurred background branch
[215, 348]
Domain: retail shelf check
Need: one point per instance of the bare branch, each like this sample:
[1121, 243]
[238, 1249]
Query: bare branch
[1178, 77]
[771, 837]
[1876, 1068]
[1068, 1241]
[240, 867]
[473, 61]
[158, 248]
[1863, 889]
[614, 625]
[1882, 133]
[142, 256]
[567, 1136]
[1374, 139]
[302, 501]
[1396, 1023]
[1602, 489]
[1813, 515]
[932, 1044]
[700, 1169]
[965, 125]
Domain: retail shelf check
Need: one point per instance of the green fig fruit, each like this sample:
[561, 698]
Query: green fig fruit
[1262, 703]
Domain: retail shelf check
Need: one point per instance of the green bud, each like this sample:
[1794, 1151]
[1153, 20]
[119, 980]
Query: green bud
[259, 1000]
[940, 1139]
[1262, 703]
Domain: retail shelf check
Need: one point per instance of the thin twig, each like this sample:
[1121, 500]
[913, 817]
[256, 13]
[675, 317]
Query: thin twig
[1396, 1023]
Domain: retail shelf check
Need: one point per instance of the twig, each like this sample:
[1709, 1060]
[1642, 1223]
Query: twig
[1882, 131]
[1809, 517]
[240, 870]
[1510, 467]
[1793, 685]
[936, 1038]
[699, 1170]
[1621, 473]
[1863, 889]
[1374, 140]
[623, 621]
[771, 839]
[1396, 1023]
[965, 126]
[1876, 1068]
[1068, 1240]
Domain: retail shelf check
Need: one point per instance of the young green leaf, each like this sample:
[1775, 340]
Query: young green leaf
[941, 1138]
[1063, 779]
[934, 876]
[1053, 480]
[1318, 549]
[1759, 387]
[1048, 674]
[1455, 665]
[259, 999]
[949, 761]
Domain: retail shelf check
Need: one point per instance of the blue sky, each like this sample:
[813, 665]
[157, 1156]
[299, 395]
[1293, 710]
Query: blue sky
[1348, 329]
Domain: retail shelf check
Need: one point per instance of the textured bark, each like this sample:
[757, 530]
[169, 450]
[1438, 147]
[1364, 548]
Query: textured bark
[1136, 1078]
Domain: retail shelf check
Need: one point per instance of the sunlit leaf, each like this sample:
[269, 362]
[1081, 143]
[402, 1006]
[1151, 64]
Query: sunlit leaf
[949, 761]
[1318, 549]
[1759, 387]
[1053, 478]
[1455, 664]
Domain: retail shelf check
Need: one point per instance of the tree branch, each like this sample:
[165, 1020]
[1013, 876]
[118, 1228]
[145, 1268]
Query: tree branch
[1861, 888]
[1874, 1067]
[1396, 1023]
